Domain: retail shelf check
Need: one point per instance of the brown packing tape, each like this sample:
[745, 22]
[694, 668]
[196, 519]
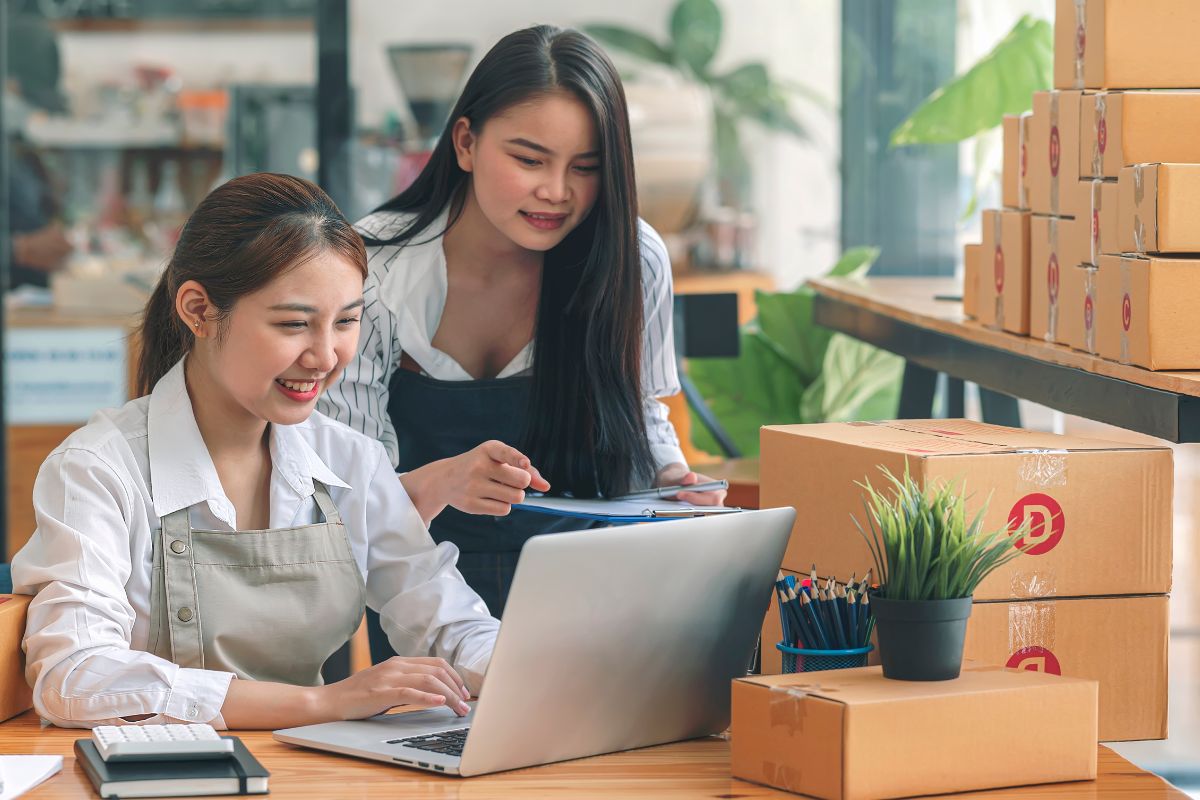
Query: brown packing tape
[1099, 134]
[1031, 632]
[1053, 281]
[1126, 309]
[999, 269]
[1054, 155]
[1080, 40]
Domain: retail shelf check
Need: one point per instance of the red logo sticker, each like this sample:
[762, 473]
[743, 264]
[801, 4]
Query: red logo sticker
[1046, 522]
[1055, 151]
[1087, 312]
[1024, 159]
[1126, 311]
[1080, 42]
[1034, 659]
[1096, 226]
[998, 269]
[1052, 278]
[1102, 134]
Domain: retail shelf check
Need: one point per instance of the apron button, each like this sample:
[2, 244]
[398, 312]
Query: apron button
[185, 614]
[178, 546]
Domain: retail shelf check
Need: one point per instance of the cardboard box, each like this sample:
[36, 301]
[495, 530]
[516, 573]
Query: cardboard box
[1054, 187]
[1121, 642]
[1003, 296]
[1147, 311]
[854, 735]
[1101, 511]
[1159, 209]
[15, 694]
[1104, 202]
[1126, 44]
[972, 256]
[1119, 129]
[1014, 184]
[1056, 244]
[1077, 311]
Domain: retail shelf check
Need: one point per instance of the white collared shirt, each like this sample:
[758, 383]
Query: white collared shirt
[404, 296]
[89, 561]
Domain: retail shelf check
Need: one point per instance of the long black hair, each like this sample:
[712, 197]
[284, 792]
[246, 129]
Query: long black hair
[585, 427]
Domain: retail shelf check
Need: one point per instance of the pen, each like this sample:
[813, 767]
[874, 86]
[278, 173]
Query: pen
[671, 491]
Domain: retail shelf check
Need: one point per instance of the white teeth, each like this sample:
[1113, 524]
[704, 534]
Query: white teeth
[296, 386]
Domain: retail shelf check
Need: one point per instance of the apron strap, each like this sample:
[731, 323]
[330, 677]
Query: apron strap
[325, 503]
[179, 569]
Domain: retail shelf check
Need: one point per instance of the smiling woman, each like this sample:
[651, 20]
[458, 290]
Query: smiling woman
[217, 528]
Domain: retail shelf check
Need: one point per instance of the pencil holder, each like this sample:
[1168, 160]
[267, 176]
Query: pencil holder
[797, 660]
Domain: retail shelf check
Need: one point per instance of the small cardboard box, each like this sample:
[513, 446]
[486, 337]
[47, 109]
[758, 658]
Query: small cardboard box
[1103, 219]
[854, 735]
[1056, 244]
[1119, 129]
[1014, 184]
[1121, 642]
[1147, 311]
[1126, 44]
[1077, 311]
[15, 694]
[1100, 511]
[1159, 209]
[972, 256]
[1054, 187]
[1003, 284]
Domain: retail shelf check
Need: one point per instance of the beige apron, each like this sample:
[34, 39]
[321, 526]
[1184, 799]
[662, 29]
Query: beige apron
[268, 605]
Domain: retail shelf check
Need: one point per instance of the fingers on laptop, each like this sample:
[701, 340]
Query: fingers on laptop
[427, 681]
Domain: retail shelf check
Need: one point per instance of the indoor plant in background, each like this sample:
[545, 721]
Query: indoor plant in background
[929, 557]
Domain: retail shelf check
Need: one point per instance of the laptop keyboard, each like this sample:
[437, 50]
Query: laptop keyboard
[448, 743]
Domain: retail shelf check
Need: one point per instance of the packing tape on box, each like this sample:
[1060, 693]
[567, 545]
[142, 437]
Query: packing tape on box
[1099, 133]
[1139, 196]
[785, 777]
[998, 277]
[1031, 629]
[786, 708]
[1089, 310]
[1053, 281]
[1042, 469]
[1053, 152]
[1126, 310]
[1080, 40]
[1022, 161]
[1097, 203]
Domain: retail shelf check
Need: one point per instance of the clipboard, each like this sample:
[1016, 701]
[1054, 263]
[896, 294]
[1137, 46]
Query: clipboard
[617, 511]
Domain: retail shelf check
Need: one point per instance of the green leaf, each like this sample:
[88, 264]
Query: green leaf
[751, 92]
[733, 170]
[1003, 82]
[854, 263]
[696, 33]
[630, 41]
[786, 320]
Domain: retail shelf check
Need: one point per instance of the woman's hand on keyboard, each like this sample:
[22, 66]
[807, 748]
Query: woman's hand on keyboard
[398, 681]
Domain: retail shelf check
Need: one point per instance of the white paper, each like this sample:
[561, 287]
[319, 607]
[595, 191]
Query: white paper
[21, 773]
[619, 508]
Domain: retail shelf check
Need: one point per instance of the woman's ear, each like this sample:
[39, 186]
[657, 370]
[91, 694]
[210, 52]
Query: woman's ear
[464, 144]
[194, 308]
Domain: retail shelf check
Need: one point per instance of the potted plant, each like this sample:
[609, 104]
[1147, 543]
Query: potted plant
[929, 557]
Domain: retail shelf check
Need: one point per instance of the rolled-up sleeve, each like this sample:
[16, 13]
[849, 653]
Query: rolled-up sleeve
[425, 606]
[77, 637]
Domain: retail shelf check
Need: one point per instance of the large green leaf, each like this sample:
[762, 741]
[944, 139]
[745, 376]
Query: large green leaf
[1003, 82]
[750, 91]
[696, 33]
[786, 320]
[855, 373]
[631, 42]
[854, 263]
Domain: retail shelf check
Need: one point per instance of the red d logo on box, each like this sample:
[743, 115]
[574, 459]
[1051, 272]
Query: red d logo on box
[1045, 520]
[1034, 659]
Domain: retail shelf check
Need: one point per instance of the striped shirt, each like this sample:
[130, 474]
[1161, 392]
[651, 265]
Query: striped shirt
[404, 295]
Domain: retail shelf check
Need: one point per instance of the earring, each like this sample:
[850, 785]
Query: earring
[196, 324]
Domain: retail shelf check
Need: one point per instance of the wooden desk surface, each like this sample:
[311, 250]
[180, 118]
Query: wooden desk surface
[912, 300]
[694, 769]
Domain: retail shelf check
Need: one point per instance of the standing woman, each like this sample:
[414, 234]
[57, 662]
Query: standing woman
[217, 528]
[517, 327]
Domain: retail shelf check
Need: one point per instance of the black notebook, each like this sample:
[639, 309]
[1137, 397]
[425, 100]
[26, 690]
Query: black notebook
[173, 778]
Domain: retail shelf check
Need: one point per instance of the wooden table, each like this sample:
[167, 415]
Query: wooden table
[902, 315]
[694, 769]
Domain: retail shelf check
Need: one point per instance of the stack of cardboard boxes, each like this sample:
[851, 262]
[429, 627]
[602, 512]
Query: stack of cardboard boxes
[1089, 600]
[1101, 189]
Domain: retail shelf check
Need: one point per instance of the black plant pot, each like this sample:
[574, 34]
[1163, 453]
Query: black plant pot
[921, 640]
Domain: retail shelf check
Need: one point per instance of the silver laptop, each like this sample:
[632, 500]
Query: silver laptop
[613, 638]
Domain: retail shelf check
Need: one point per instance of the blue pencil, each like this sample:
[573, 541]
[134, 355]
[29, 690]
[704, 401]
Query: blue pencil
[814, 621]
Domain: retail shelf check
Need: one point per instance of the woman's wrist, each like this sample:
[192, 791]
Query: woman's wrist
[425, 486]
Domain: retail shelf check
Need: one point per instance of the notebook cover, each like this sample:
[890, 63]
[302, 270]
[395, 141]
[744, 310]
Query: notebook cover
[187, 773]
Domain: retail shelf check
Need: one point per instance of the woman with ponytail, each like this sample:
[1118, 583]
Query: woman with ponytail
[517, 327]
[217, 528]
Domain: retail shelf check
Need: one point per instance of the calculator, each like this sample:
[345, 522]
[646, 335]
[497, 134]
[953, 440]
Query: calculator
[160, 742]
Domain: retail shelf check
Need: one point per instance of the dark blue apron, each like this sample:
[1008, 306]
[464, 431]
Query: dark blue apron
[440, 419]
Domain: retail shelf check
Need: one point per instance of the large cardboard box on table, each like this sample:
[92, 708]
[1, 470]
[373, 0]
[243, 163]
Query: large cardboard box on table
[1159, 209]
[1099, 511]
[1147, 312]
[1054, 185]
[1104, 225]
[1014, 185]
[1003, 284]
[972, 258]
[1126, 44]
[1121, 642]
[1056, 244]
[1119, 129]
[854, 735]
[1078, 307]
[15, 694]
